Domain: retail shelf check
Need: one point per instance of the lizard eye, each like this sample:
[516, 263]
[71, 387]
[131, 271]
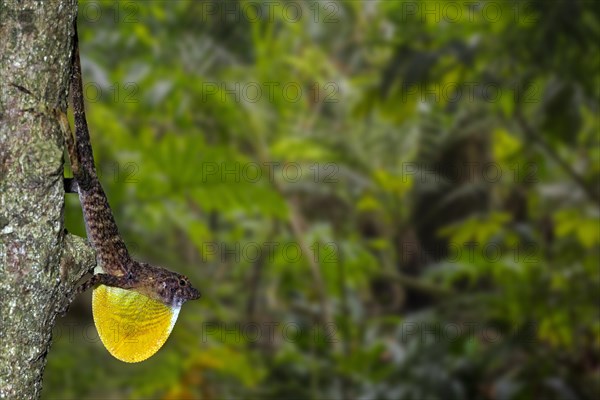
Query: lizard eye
[181, 282]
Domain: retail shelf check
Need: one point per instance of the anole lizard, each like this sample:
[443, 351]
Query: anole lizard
[135, 304]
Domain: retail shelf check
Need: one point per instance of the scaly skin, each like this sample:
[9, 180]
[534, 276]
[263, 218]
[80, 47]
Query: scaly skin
[118, 268]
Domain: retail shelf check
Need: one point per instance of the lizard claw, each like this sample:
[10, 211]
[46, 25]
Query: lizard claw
[23, 89]
[66, 303]
[40, 109]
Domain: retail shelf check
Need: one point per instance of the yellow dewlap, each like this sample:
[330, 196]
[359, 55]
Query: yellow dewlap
[131, 326]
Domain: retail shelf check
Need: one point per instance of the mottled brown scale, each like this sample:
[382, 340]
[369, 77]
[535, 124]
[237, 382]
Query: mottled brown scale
[119, 269]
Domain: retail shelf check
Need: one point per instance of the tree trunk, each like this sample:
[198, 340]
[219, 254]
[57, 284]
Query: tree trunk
[39, 262]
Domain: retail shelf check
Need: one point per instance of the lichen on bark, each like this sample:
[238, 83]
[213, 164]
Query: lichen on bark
[39, 262]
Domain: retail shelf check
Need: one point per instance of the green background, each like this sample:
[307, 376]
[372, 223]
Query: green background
[377, 199]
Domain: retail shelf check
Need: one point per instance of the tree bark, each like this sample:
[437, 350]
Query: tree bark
[40, 263]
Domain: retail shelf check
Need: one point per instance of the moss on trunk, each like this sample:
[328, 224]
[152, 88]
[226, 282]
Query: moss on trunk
[39, 262]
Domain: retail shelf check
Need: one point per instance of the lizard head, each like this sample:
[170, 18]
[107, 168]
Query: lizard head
[177, 289]
[168, 287]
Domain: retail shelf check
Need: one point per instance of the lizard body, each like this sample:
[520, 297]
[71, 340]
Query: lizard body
[139, 301]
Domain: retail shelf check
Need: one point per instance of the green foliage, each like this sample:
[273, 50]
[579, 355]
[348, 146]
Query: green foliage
[439, 283]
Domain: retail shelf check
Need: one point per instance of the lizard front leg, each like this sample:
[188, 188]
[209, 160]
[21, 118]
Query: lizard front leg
[123, 282]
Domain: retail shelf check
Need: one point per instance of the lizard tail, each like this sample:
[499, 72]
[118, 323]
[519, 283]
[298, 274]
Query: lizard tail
[84, 152]
[101, 228]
